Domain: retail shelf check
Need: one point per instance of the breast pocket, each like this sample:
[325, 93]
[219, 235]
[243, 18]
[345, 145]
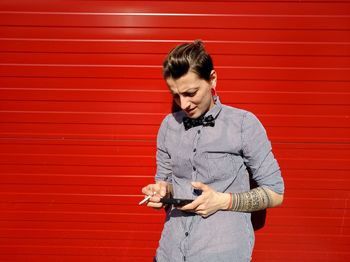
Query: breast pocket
[181, 166]
[220, 166]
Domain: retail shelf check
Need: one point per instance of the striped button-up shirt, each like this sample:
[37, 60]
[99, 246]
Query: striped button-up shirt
[223, 157]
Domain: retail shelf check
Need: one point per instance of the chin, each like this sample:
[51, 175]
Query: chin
[196, 115]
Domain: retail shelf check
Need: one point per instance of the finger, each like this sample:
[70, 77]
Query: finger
[154, 202]
[202, 211]
[203, 214]
[155, 199]
[162, 188]
[191, 206]
[148, 190]
[145, 190]
[155, 205]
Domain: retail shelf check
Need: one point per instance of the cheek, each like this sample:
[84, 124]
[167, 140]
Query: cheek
[199, 98]
[196, 100]
[205, 97]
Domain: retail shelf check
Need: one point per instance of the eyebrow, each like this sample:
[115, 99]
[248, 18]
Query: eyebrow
[190, 90]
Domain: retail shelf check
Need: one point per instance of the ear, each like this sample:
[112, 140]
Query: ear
[213, 79]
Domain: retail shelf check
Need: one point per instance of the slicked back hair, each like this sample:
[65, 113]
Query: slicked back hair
[188, 57]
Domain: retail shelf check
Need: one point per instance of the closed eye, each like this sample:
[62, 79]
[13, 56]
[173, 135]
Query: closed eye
[190, 94]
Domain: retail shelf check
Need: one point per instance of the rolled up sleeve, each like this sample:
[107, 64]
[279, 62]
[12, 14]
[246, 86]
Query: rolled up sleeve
[258, 156]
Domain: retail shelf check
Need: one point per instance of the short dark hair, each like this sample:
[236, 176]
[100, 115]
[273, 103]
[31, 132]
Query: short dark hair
[188, 57]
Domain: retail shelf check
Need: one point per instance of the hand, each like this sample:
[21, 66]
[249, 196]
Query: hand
[157, 191]
[208, 202]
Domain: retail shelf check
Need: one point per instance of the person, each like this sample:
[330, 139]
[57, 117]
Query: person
[208, 152]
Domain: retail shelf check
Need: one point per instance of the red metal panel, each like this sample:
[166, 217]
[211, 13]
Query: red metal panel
[144, 46]
[232, 21]
[81, 98]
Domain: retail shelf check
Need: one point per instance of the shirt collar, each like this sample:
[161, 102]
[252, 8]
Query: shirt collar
[215, 110]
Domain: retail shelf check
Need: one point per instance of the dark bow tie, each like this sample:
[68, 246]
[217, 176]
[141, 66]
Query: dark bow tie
[192, 122]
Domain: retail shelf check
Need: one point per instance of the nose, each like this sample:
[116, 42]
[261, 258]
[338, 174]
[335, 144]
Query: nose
[184, 102]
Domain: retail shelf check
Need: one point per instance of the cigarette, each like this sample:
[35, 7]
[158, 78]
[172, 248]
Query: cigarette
[146, 198]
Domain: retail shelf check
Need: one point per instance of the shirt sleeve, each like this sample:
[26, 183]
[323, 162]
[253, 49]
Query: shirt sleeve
[258, 156]
[163, 159]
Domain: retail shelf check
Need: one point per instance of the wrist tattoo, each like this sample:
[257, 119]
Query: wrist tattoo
[253, 200]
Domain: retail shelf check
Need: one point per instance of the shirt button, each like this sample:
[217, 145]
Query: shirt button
[194, 168]
[186, 234]
[198, 131]
[184, 258]
[194, 150]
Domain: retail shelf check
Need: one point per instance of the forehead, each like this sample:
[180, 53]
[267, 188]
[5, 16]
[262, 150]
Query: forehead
[184, 83]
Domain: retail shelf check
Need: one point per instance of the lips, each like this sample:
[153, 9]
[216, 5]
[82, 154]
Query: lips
[191, 111]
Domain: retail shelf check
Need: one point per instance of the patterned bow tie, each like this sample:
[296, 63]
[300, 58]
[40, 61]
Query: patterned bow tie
[205, 121]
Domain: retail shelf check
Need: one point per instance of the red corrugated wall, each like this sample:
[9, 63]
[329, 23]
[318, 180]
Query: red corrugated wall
[81, 98]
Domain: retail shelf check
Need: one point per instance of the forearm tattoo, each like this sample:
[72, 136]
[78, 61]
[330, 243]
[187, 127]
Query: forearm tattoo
[253, 200]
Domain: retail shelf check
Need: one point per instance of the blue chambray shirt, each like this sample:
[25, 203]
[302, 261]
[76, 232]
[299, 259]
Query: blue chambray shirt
[220, 157]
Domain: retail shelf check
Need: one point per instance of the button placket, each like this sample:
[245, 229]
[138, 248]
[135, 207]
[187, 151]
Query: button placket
[194, 150]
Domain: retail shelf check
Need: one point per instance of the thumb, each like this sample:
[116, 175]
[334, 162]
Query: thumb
[199, 185]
